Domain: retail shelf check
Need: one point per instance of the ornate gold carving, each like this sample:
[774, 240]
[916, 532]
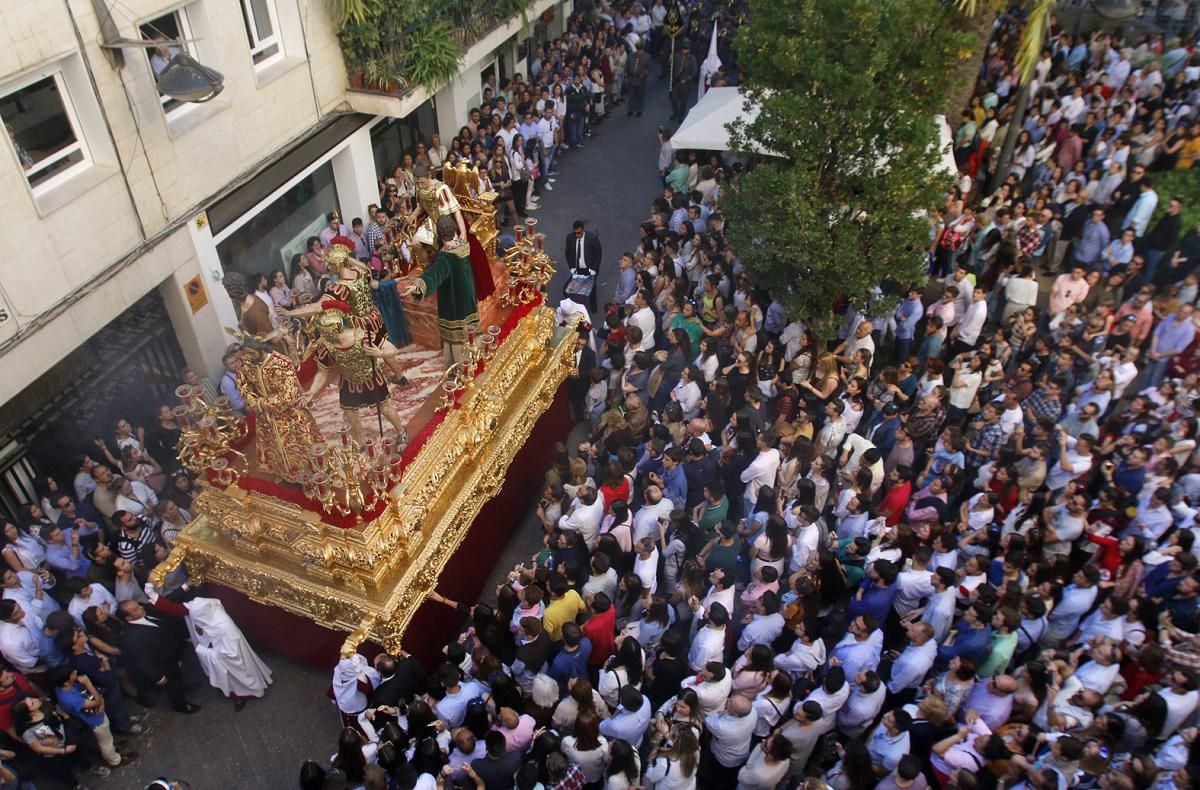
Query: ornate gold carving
[372, 578]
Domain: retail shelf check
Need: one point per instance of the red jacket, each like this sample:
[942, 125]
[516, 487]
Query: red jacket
[601, 629]
[894, 502]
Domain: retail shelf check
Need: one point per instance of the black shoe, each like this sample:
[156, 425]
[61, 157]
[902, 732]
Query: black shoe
[187, 707]
[238, 705]
[629, 113]
[639, 113]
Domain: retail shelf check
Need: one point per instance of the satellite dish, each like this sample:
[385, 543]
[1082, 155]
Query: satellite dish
[1116, 9]
[186, 79]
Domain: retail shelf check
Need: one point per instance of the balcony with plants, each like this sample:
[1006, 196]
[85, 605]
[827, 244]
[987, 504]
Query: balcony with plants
[394, 46]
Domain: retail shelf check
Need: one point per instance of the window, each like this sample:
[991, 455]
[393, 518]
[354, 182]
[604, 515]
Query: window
[281, 230]
[168, 27]
[44, 130]
[262, 29]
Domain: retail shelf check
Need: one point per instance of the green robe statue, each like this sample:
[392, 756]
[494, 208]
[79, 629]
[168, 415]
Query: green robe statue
[450, 277]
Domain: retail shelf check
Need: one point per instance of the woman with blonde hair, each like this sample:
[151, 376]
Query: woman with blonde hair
[637, 417]
[672, 765]
[824, 380]
[579, 477]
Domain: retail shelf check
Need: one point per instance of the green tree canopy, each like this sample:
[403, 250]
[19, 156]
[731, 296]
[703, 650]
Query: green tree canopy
[847, 92]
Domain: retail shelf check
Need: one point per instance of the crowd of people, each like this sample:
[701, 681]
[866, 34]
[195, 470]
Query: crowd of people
[83, 632]
[952, 548]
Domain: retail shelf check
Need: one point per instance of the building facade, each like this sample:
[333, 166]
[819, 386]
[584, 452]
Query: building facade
[123, 209]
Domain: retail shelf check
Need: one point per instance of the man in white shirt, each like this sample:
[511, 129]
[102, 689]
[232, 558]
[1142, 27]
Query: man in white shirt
[831, 435]
[452, 708]
[939, 611]
[865, 702]
[762, 470]
[1181, 698]
[1020, 292]
[1102, 670]
[84, 595]
[712, 686]
[963, 388]
[913, 664]
[860, 340]
[802, 520]
[1075, 460]
[631, 718]
[643, 319]
[656, 507]
[1077, 599]
[584, 516]
[765, 625]
[861, 647]
[915, 583]
[992, 699]
[889, 742]
[708, 643]
[19, 635]
[732, 731]
[966, 332]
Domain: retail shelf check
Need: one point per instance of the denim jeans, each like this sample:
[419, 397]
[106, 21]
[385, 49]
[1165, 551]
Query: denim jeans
[547, 162]
[575, 130]
[1156, 371]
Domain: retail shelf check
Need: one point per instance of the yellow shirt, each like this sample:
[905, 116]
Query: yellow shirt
[564, 610]
[1188, 154]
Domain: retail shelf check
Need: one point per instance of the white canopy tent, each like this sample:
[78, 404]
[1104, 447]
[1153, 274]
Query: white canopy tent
[705, 127]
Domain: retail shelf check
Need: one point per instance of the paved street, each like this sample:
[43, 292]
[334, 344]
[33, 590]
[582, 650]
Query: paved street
[609, 184]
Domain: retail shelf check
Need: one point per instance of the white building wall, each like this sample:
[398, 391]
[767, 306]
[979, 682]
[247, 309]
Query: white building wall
[134, 222]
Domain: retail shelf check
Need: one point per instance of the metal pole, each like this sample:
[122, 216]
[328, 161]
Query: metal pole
[671, 70]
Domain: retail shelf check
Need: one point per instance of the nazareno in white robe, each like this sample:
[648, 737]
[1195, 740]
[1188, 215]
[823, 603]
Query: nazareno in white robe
[225, 656]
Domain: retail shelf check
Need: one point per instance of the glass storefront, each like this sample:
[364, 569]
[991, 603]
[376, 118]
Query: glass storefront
[279, 231]
[393, 137]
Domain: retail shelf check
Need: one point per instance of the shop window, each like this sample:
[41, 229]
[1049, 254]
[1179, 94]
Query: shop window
[280, 230]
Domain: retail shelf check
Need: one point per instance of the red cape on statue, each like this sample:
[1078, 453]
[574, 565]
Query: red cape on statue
[481, 270]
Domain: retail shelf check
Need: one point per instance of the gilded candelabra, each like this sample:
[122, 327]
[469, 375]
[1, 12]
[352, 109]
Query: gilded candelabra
[529, 268]
[349, 479]
[208, 432]
[460, 377]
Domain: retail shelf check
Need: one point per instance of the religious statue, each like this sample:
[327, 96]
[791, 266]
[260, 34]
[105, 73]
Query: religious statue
[450, 277]
[254, 315]
[354, 287]
[436, 199]
[285, 430]
[343, 348]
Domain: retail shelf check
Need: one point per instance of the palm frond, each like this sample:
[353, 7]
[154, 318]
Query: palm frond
[1033, 38]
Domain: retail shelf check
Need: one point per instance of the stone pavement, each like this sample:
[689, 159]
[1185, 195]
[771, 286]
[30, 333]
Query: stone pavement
[609, 184]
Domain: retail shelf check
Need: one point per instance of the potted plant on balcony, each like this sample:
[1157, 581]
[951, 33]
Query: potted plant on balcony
[431, 55]
[375, 73]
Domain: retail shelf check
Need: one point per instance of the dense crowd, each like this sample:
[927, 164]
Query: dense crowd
[952, 548]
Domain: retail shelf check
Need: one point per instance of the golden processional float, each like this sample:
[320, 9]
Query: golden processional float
[356, 539]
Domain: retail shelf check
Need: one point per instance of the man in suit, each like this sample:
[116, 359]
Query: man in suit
[583, 258]
[683, 80]
[637, 68]
[152, 644]
[579, 379]
[400, 680]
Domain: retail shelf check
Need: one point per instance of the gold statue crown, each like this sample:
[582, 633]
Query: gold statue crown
[337, 255]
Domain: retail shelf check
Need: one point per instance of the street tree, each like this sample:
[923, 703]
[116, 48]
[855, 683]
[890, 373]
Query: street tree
[845, 146]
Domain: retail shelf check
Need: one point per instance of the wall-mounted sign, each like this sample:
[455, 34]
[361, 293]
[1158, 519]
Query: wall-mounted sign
[196, 295]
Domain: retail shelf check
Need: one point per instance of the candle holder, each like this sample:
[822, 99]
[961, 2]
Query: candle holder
[529, 268]
[460, 377]
[347, 478]
[209, 432]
